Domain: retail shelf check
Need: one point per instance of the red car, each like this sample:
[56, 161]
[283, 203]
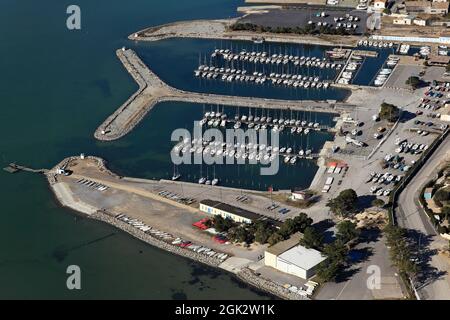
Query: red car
[185, 244]
[220, 239]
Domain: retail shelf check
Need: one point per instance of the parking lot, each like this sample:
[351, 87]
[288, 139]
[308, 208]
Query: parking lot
[300, 16]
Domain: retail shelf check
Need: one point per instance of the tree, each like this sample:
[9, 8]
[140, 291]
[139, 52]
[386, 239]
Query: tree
[221, 224]
[346, 231]
[297, 224]
[336, 253]
[240, 234]
[302, 221]
[327, 270]
[262, 230]
[345, 203]
[311, 238]
[378, 203]
[287, 228]
[446, 212]
[442, 195]
[400, 250]
[413, 81]
[389, 112]
[275, 238]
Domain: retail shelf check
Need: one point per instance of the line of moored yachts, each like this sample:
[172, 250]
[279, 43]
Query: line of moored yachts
[265, 58]
[253, 152]
[216, 119]
[230, 75]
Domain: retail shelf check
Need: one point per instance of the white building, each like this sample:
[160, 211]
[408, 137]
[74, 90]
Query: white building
[407, 20]
[236, 214]
[299, 195]
[379, 4]
[290, 257]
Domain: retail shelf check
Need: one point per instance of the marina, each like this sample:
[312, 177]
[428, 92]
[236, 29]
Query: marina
[152, 91]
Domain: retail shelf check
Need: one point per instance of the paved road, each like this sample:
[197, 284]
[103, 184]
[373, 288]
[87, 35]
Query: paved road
[412, 217]
[358, 286]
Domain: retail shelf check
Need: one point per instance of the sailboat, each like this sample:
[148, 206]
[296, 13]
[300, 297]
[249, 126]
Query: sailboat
[176, 174]
[207, 181]
[202, 179]
[214, 181]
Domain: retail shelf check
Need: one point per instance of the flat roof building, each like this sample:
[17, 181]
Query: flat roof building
[236, 214]
[436, 60]
[426, 7]
[290, 257]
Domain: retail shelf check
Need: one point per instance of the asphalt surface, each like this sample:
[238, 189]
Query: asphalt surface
[300, 17]
[411, 216]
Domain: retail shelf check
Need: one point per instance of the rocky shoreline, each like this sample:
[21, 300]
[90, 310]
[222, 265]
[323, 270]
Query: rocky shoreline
[141, 235]
[245, 274]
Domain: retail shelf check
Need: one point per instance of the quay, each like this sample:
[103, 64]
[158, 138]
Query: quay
[152, 91]
[219, 30]
[163, 222]
[365, 53]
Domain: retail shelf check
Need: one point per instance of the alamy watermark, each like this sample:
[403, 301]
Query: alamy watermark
[73, 21]
[374, 280]
[73, 281]
[238, 146]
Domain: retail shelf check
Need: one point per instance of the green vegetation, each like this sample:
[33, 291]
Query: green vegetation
[346, 231]
[442, 194]
[308, 29]
[240, 233]
[275, 238]
[400, 250]
[446, 212]
[337, 251]
[262, 231]
[345, 203]
[289, 227]
[221, 224]
[297, 224]
[387, 11]
[414, 82]
[312, 239]
[389, 112]
[378, 203]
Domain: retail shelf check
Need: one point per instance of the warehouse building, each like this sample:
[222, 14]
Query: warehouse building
[426, 7]
[236, 214]
[290, 257]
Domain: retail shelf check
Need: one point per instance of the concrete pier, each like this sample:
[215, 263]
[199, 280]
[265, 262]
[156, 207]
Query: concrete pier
[152, 91]
[13, 168]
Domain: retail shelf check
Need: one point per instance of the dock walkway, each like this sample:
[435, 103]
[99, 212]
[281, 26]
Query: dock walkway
[13, 168]
[153, 91]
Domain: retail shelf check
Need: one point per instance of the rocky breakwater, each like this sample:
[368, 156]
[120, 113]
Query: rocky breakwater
[249, 276]
[154, 241]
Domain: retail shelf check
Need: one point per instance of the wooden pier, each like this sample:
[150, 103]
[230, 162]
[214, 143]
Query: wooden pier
[365, 53]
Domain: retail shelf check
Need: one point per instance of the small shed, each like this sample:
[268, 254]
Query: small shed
[428, 193]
